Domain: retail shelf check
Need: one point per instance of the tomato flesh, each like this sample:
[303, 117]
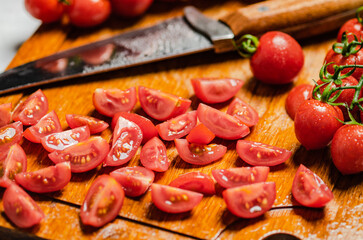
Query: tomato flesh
[9, 135]
[200, 135]
[153, 155]
[95, 125]
[296, 97]
[196, 182]
[14, 163]
[5, 114]
[244, 112]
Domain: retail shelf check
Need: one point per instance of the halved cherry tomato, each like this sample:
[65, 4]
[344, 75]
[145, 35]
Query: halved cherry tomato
[134, 180]
[48, 124]
[160, 105]
[83, 156]
[9, 135]
[111, 101]
[127, 138]
[130, 8]
[98, 55]
[14, 163]
[103, 201]
[199, 154]
[243, 111]
[216, 90]
[45, 10]
[177, 127]
[62, 140]
[260, 154]
[174, 200]
[95, 125]
[309, 190]
[147, 127]
[20, 208]
[5, 114]
[49, 179]
[235, 177]
[196, 182]
[200, 135]
[32, 109]
[296, 97]
[222, 124]
[153, 155]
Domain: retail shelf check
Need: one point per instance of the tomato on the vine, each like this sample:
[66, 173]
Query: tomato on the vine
[351, 26]
[45, 10]
[194, 181]
[296, 97]
[88, 13]
[130, 8]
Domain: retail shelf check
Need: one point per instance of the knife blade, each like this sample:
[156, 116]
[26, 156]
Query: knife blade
[180, 36]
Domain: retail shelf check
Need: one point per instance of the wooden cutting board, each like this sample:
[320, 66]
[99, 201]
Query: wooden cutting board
[139, 218]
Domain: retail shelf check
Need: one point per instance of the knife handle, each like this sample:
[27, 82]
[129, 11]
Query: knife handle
[300, 18]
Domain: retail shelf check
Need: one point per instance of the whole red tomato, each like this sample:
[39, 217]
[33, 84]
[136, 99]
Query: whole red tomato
[88, 13]
[45, 10]
[351, 26]
[130, 8]
[296, 97]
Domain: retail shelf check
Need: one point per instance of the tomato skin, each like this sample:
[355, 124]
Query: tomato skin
[347, 149]
[98, 55]
[177, 127]
[351, 26]
[316, 123]
[153, 155]
[309, 190]
[221, 124]
[296, 97]
[174, 200]
[15, 162]
[5, 114]
[111, 101]
[250, 201]
[45, 10]
[9, 135]
[103, 201]
[134, 180]
[200, 135]
[196, 182]
[243, 111]
[216, 90]
[95, 125]
[88, 13]
[130, 8]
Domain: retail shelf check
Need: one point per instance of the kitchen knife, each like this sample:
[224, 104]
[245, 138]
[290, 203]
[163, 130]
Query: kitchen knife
[180, 36]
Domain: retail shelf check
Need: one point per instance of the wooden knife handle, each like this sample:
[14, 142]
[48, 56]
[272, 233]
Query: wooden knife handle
[300, 18]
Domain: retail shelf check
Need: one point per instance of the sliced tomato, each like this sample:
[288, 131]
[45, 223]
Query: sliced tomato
[222, 124]
[20, 208]
[14, 163]
[244, 112]
[83, 156]
[111, 101]
[196, 182]
[200, 135]
[5, 114]
[199, 154]
[260, 154]
[177, 127]
[174, 200]
[309, 190]
[98, 55]
[235, 177]
[127, 138]
[216, 90]
[103, 201]
[162, 106]
[95, 125]
[250, 201]
[62, 140]
[153, 155]
[9, 135]
[30, 111]
[49, 179]
[134, 180]
[48, 124]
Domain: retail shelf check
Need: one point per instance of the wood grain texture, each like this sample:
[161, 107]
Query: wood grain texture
[210, 219]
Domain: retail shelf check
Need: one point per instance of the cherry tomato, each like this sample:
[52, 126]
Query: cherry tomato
[47, 125]
[98, 55]
[196, 182]
[347, 149]
[199, 154]
[351, 26]
[130, 8]
[235, 177]
[88, 13]
[244, 112]
[134, 180]
[316, 123]
[103, 201]
[221, 124]
[20, 208]
[5, 114]
[45, 10]
[162, 106]
[14, 163]
[111, 101]
[296, 97]
[153, 155]
[49, 179]
[200, 135]
[9, 135]
[127, 138]
[95, 125]
[177, 127]
[309, 190]
[260, 154]
[278, 59]
[174, 200]
[216, 90]
[62, 140]
[250, 201]
[83, 156]
[32, 109]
